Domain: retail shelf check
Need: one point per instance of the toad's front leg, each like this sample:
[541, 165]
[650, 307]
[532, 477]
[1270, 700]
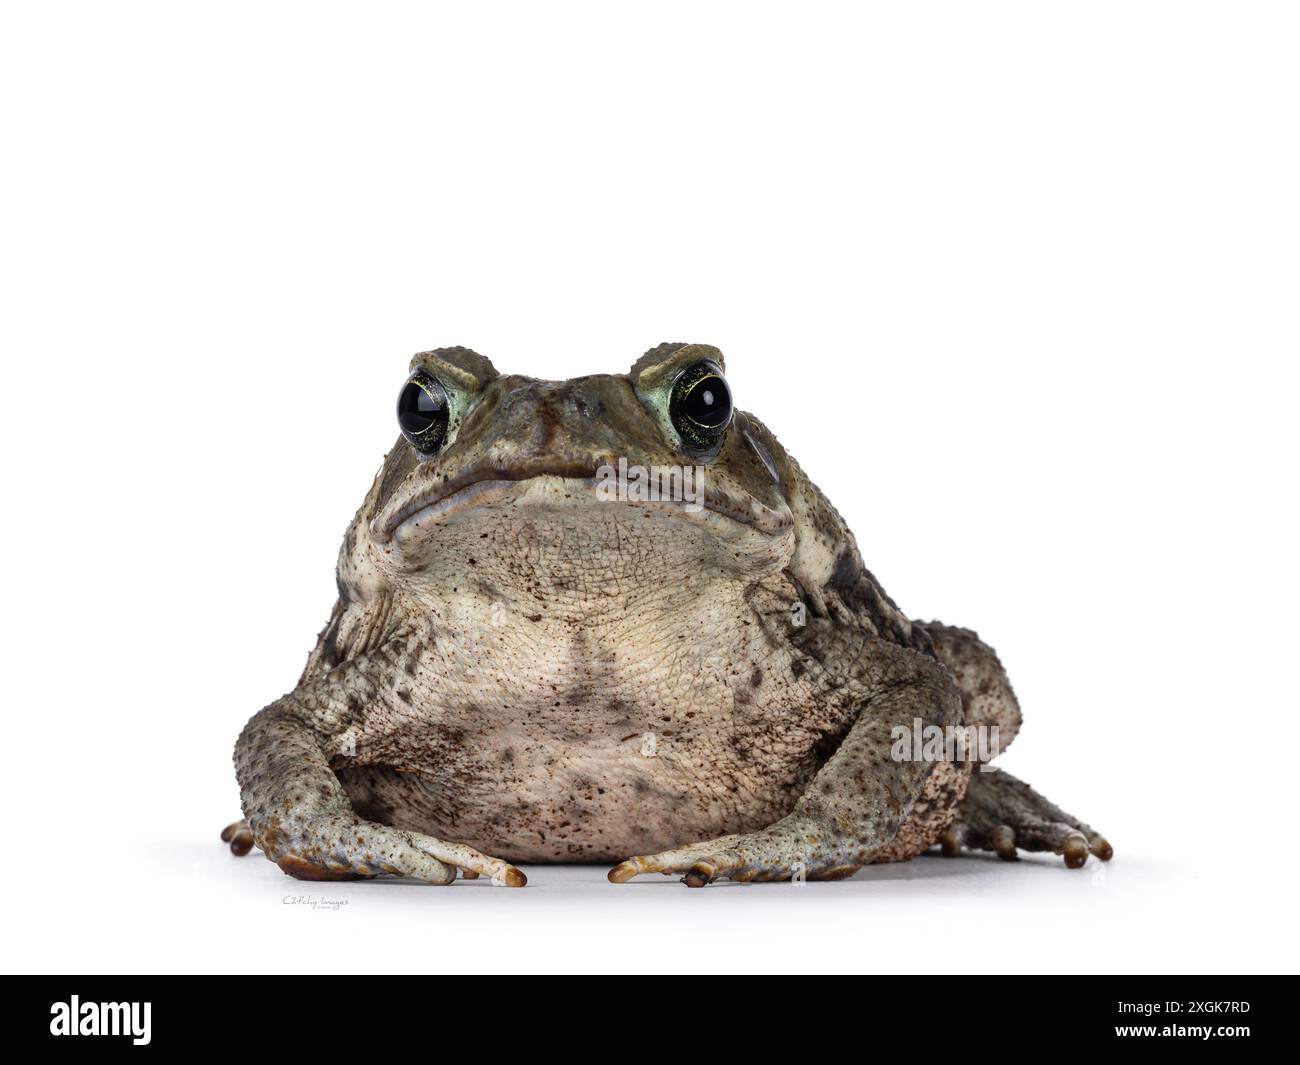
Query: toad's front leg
[853, 807]
[297, 810]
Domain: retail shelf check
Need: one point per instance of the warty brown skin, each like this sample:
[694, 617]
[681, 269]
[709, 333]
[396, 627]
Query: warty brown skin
[518, 670]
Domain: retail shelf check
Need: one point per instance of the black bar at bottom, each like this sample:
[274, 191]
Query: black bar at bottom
[376, 1016]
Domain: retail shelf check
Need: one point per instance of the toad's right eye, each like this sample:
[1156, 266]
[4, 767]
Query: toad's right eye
[700, 406]
[422, 412]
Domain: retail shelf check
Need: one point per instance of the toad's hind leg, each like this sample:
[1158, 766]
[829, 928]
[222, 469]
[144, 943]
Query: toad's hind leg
[1001, 813]
[987, 700]
[856, 804]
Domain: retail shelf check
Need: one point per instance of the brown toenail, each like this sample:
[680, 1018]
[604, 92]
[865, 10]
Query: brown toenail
[1075, 852]
[699, 876]
[1003, 839]
[623, 872]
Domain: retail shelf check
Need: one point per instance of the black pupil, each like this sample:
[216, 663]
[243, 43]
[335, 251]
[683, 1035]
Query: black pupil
[707, 403]
[417, 410]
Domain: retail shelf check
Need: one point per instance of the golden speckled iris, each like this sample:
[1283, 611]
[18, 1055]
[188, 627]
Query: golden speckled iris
[700, 405]
[422, 412]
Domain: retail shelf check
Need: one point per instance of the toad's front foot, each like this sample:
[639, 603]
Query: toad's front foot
[343, 847]
[1001, 813]
[794, 848]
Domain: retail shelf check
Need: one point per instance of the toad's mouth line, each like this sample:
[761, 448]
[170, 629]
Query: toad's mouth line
[482, 487]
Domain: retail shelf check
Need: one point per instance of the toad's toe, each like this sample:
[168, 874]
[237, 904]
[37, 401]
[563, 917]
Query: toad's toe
[239, 836]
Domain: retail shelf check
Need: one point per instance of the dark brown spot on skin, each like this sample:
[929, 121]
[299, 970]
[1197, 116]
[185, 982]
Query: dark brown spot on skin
[846, 572]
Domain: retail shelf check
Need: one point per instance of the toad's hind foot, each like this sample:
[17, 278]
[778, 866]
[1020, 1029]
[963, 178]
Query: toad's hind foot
[1001, 813]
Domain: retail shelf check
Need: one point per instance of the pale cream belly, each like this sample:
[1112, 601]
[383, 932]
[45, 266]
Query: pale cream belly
[574, 807]
[594, 743]
[584, 804]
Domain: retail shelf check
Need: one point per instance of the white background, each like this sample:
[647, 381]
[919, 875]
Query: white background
[1016, 283]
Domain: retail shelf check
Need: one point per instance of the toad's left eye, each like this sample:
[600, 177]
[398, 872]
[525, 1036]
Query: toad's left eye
[422, 412]
[700, 405]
